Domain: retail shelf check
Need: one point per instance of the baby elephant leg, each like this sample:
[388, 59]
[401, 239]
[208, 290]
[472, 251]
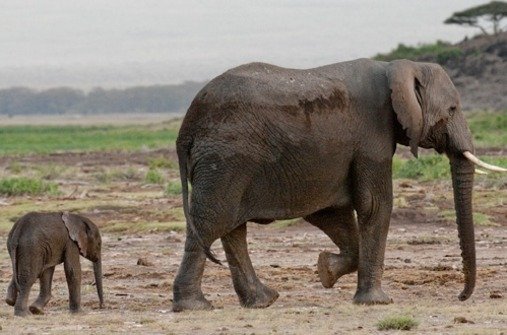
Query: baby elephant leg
[72, 268]
[21, 304]
[45, 291]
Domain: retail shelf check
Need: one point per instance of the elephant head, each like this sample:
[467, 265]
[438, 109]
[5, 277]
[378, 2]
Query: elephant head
[427, 106]
[87, 236]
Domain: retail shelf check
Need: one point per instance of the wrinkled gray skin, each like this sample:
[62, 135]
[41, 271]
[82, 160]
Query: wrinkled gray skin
[40, 241]
[261, 143]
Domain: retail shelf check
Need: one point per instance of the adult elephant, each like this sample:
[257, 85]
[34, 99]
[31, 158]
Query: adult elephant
[261, 143]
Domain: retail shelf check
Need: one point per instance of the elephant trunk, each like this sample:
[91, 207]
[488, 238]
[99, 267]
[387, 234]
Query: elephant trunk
[462, 172]
[97, 270]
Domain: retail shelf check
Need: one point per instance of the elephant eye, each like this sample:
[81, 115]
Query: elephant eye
[452, 110]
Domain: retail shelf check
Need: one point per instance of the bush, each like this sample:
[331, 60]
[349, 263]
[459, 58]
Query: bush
[23, 185]
[173, 187]
[442, 52]
[398, 322]
[161, 162]
[154, 177]
[424, 168]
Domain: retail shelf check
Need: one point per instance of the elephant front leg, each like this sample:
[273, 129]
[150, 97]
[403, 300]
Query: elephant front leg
[12, 293]
[341, 227]
[46, 280]
[373, 203]
[72, 268]
[251, 292]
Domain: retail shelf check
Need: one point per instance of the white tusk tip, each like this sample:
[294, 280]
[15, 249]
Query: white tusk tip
[471, 157]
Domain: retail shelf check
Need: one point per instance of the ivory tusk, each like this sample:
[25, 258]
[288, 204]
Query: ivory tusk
[478, 162]
[479, 171]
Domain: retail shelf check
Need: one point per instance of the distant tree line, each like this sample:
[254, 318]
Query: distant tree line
[65, 100]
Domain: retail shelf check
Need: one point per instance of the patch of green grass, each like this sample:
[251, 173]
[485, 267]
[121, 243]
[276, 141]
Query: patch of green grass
[137, 227]
[109, 175]
[173, 187]
[26, 186]
[50, 171]
[153, 176]
[480, 219]
[440, 51]
[425, 168]
[15, 167]
[46, 139]
[488, 129]
[286, 223]
[397, 322]
[162, 163]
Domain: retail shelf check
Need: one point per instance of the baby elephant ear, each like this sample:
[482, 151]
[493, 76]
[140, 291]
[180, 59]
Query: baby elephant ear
[77, 231]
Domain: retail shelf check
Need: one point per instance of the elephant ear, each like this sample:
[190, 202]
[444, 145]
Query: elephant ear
[77, 231]
[404, 81]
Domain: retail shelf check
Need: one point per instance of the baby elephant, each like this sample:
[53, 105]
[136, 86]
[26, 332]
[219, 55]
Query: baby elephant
[40, 241]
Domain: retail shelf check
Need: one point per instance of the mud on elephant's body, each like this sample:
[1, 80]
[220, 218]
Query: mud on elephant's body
[37, 243]
[261, 143]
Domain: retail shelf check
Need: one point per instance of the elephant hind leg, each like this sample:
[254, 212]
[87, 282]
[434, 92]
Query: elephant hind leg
[341, 226]
[251, 292]
[21, 305]
[45, 291]
[187, 292]
[12, 293]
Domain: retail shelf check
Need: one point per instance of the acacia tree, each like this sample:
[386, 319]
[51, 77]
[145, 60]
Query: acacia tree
[478, 16]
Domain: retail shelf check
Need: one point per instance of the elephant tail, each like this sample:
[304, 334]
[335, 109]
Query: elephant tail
[14, 260]
[12, 247]
[183, 153]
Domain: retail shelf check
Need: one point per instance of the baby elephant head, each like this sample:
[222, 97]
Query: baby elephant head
[87, 236]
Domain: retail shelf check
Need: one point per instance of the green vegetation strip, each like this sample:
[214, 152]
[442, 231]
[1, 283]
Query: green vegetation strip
[441, 51]
[489, 129]
[47, 139]
[26, 186]
[435, 167]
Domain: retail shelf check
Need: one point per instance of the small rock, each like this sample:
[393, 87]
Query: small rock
[461, 319]
[495, 295]
[144, 262]
[407, 260]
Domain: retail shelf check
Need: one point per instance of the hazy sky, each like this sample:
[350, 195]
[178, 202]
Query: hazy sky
[123, 43]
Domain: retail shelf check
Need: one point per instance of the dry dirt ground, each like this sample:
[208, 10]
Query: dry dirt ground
[138, 221]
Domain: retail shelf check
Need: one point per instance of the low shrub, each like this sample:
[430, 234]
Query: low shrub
[153, 176]
[397, 322]
[173, 187]
[26, 186]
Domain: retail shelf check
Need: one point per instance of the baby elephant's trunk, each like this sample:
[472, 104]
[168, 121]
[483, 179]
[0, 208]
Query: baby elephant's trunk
[97, 269]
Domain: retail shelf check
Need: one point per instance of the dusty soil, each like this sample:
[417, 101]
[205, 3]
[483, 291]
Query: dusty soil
[138, 221]
[83, 120]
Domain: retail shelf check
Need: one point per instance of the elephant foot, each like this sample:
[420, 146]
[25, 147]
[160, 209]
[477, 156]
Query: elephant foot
[262, 297]
[20, 312]
[75, 310]
[35, 309]
[192, 304]
[10, 301]
[372, 297]
[332, 266]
